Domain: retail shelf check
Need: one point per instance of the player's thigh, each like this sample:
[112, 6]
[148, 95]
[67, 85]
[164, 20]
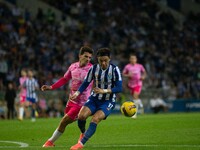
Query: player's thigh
[67, 119]
[88, 109]
[106, 107]
[98, 116]
[135, 95]
[64, 122]
[84, 113]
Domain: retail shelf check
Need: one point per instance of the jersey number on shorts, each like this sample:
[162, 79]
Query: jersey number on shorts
[110, 106]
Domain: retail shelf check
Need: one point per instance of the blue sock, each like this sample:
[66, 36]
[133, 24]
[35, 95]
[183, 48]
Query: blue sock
[81, 125]
[91, 130]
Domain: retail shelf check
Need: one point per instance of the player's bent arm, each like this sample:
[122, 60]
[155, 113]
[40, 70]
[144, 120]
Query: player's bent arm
[82, 87]
[105, 91]
[62, 81]
[143, 76]
[117, 88]
[125, 74]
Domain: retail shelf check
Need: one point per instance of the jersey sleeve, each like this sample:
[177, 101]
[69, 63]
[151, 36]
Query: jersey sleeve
[117, 81]
[62, 81]
[142, 68]
[125, 70]
[117, 74]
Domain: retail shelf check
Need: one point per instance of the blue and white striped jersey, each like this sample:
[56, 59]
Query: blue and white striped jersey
[104, 79]
[31, 85]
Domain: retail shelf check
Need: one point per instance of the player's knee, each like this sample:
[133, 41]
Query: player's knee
[95, 119]
[66, 120]
[82, 117]
[135, 97]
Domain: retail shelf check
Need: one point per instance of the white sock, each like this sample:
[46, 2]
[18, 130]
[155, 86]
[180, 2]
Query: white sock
[141, 108]
[21, 112]
[137, 106]
[55, 136]
[140, 103]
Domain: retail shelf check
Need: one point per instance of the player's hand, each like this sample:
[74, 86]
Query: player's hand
[98, 90]
[128, 75]
[45, 87]
[74, 96]
[142, 78]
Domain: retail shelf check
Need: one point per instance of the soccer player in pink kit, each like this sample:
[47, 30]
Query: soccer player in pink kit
[136, 74]
[22, 94]
[76, 73]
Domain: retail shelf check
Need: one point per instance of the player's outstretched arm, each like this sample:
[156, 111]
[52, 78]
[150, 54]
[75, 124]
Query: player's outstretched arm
[46, 87]
[62, 81]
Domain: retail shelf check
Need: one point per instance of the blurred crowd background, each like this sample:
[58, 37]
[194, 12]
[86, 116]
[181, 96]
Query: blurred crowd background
[169, 48]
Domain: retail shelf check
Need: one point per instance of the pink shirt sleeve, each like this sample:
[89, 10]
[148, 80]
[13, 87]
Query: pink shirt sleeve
[62, 81]
[142, 68]
[125, 71]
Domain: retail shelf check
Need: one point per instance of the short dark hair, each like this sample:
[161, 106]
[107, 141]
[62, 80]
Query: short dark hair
[103, 52]
[133, 54]
[84, 49]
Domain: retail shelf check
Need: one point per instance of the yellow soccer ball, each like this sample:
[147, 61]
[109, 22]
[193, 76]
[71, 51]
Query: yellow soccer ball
[128, 109]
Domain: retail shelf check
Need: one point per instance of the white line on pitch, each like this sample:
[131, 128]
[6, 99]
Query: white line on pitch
[14, 142]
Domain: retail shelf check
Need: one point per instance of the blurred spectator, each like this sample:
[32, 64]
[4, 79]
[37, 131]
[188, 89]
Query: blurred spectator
[10, 96]
[51, 110]
[3, 69]
[2, 110]
[157, 104]
[59, 108]
[42, 106]
[169, 52]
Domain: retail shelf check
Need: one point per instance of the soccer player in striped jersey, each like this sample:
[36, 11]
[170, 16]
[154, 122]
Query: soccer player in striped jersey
[76, 73]
[135, 73]
[22, 94]
[107, 82]
[31, 86]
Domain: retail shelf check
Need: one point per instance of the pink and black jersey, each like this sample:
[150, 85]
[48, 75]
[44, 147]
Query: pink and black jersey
[76, 74]
[136, 72]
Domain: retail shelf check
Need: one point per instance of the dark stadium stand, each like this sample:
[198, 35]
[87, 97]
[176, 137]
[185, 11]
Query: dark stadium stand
[169, 51]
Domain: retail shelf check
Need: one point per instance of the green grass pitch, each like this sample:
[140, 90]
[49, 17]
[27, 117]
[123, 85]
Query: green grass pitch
[171, 131]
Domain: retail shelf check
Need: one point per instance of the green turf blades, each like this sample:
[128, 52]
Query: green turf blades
[153, 132]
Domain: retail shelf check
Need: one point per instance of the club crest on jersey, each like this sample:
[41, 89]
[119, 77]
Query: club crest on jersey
[109, 76]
